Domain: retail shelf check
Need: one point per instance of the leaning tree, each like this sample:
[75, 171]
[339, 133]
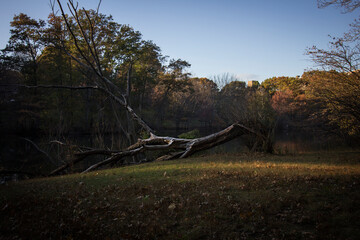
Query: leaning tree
[81, 44]
[335, 91]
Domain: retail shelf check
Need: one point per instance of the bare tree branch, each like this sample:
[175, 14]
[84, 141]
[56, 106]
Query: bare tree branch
[114, 158]
[52, 86]
[75, 38]
[98, 7]
[347, 5]
[40, 150]
[95, 55]
[107, 82]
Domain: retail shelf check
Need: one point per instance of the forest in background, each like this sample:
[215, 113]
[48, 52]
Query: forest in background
[47, 94]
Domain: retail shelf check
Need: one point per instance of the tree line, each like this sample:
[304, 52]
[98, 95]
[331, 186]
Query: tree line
[82, 73]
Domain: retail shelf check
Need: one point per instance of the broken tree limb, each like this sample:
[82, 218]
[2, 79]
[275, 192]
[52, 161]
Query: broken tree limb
[115, 157]
[79, 156]
[70, 145]
[117, 99]
[40, 150]
[184, 147]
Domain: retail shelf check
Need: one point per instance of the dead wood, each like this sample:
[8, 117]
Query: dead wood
[173, 148]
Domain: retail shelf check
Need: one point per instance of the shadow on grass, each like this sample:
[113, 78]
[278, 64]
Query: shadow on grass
[234, 196]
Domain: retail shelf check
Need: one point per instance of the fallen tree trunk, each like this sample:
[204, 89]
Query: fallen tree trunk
[173, 148]
[78, 157]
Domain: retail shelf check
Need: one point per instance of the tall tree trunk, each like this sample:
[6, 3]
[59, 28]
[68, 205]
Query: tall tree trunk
[130, 124]
[128, 84]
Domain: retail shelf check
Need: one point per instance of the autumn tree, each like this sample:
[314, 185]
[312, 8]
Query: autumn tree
[106, 52]
[25, 44]
[232, 102]
[336, 89]
[287, 98]
[280, 84]
[146, 71]
[22, 54]
[196, 103]
[203, 100]
[252, 107]
[334, 96]
[173, 80]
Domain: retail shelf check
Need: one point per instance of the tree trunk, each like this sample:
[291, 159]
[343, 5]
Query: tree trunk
[173, 148]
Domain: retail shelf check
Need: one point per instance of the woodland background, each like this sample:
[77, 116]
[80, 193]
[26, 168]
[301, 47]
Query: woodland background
[49, 91]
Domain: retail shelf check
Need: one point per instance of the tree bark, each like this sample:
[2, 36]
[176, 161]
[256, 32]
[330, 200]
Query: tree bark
[173, 148]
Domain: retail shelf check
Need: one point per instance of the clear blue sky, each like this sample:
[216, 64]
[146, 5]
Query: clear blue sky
[254, 39]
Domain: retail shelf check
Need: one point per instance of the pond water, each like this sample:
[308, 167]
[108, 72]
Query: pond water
[286, 142]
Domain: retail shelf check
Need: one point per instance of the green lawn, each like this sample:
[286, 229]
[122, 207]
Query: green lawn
[237, 196]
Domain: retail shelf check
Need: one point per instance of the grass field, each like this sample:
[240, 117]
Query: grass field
[237, 196]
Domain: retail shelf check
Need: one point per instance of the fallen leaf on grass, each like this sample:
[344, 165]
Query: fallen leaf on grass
[172, 206]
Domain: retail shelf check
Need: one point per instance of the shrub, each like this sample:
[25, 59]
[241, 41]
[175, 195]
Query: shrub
[190, 135]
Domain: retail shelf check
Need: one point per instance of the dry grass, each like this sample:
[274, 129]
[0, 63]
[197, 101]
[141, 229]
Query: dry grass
[312, 196]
